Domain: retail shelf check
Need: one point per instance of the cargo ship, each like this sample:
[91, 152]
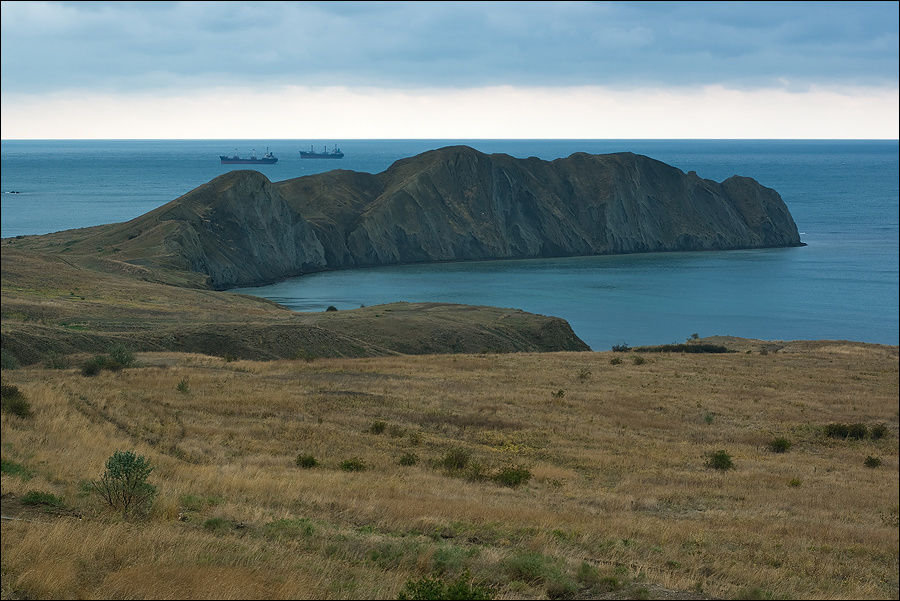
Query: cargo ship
[312, 154]
[266, 159]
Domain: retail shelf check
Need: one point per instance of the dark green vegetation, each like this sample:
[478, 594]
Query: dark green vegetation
[855, 431]
[12, 401]
[306, 461]
[779, 445]
[436, 588]
[38, 497]
[123, 486]
[719, 460]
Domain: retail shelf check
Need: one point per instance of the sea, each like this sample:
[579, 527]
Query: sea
[843, 195]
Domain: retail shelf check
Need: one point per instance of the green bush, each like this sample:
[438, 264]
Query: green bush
[98, 363]
[835, 430]
[857, 431]
[779, 445]
[183, 387]
[11, 468]
[286, 528]
[124, 484]
[120, 355]
[719, 460]
[621, 348]
[584, 374]
[218, 525]
[529, 567]
[456, 459]
[8, 360]
[377, 427]
[13, 401]
[638, 360]
[38, 497]
[408, 459]
[615, 361]
[878, 431]
[512, 476]
[306, 461]
[435, 588]
[354, 464]
[872, 461]
[795, 483]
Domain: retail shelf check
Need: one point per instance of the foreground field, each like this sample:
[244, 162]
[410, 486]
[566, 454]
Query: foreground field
[620, 501]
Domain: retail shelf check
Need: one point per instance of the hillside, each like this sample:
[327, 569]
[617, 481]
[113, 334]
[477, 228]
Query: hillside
[454, 203]
[552, 475]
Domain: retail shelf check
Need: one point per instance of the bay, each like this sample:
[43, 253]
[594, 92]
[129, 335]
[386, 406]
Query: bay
[843, 195]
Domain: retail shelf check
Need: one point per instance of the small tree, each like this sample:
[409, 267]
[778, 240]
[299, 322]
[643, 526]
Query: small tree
[124, 485]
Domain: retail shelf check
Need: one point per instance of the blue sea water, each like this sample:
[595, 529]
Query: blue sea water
[844, 196]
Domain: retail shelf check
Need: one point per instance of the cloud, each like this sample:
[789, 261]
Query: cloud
[301, 112]
[112, 46]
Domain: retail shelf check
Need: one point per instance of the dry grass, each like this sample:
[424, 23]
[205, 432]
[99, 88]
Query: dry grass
[617, 462]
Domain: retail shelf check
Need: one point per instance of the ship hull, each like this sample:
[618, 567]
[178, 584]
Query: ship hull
[310, 155]
[248, 161]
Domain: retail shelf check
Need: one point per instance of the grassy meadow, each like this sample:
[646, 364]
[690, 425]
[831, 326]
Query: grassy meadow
[526, 475]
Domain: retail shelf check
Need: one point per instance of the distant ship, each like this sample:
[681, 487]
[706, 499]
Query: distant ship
[312, 154]
[267, 159]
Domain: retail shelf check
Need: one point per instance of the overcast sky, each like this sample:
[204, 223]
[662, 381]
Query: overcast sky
[449, 70]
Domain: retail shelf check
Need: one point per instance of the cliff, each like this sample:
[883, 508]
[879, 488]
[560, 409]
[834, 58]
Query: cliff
[454, 203]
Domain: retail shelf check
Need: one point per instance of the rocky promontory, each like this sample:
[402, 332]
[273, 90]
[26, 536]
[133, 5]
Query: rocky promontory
[449, 204]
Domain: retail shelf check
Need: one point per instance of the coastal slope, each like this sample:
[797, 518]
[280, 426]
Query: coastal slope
[449, 204]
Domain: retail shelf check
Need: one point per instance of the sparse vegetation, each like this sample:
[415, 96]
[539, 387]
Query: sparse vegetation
[696, 347]
[13, 401]
[615, 476]
[456, 460]
[121, 356]
[638, 360]
[377, 427]
[719, 460]
[615, 361]
[183, 387]
[878, 431]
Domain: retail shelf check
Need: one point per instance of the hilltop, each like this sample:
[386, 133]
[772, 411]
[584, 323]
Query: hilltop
[453, 203]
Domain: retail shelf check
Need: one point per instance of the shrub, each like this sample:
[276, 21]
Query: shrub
[720, 460]
[456, 459]
[183, 387]
[795, 483]
[331, 308]
[835, 430]
[435, 588]
[8, 361]
[512, 476]
[95, 365]
[872, 461]
[562, 588]
[878, 431]
[584, 374]
[408, 459]
[354, 464]
[13, 401]
[615, 361]
[621, 348]
[708, 417]
[306, 461]
[638, 360]
[11, 468]
[286, 528]
[124, 484]
[38, 497]
[396, 431]
[529, 567]
[857, 431]
[377, 427]
[217, 525]
[558, 394]
[121, 355]
[779, 445]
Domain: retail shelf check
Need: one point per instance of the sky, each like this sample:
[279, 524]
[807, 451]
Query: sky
[469, 70]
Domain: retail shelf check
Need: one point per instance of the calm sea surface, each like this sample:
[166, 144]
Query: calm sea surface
[843, 195]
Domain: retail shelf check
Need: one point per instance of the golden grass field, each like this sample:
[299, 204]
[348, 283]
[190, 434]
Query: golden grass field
[620, 503]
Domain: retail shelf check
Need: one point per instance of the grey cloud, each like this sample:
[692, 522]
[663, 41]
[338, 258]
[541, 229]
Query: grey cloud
[122, 46]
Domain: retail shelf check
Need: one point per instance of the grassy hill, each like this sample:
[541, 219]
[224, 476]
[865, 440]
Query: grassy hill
[560, 475]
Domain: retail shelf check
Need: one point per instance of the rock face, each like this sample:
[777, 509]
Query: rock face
[456, 203]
